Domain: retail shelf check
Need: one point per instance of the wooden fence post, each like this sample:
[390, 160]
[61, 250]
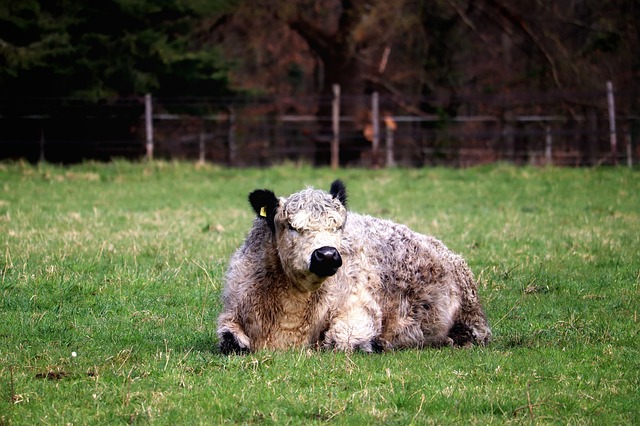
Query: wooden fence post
[335, 122]
[375, 122]
[612, 123]
[629, 150]
[508, 134]
[201, 147]
[548, 145]
[148, 118]
[42, 159]
[390, 127]
[231, 138]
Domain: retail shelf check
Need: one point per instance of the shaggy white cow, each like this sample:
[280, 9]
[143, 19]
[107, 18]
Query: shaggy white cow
[309, 273]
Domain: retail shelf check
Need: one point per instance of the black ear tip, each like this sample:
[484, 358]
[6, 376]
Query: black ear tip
[337, 184]
[265, 204]
[339, 191]
[254, 197]
[263, 201]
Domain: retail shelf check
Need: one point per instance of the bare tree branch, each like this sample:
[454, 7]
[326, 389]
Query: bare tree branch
[524, 27]
[467, 21]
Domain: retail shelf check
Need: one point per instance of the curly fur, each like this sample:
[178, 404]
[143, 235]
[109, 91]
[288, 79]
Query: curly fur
[394, 289]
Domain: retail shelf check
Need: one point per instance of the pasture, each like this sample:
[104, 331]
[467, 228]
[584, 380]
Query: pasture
[121, 265]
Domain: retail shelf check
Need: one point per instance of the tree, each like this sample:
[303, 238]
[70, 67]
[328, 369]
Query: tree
[106, 49]
[542, 58]
[327, 43]
[572, 46]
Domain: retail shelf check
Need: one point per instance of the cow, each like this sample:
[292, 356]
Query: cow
[312, 274]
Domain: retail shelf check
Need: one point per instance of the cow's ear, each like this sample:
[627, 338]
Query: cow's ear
[339, 191]
[265, 204]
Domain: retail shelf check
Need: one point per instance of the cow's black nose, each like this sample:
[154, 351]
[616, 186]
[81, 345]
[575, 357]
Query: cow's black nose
[325, 261]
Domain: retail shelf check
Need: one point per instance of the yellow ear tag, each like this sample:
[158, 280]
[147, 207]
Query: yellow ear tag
[263, 211]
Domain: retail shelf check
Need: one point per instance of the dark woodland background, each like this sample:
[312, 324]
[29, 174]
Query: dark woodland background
[74, 73]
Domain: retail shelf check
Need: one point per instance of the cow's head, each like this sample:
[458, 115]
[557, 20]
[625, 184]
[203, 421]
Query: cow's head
[307, 227]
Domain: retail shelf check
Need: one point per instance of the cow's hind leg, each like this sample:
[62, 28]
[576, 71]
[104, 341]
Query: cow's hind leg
[470, 325]
[232, 340]
[229, 345]
[436, 316]
[469, 332]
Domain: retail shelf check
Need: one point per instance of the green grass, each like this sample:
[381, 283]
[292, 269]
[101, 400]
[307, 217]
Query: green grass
[123, 264]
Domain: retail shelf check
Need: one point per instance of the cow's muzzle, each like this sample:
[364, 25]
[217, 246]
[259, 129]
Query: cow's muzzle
[325, 261]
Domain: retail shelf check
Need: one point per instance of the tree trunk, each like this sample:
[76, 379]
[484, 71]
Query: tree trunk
[337, 52]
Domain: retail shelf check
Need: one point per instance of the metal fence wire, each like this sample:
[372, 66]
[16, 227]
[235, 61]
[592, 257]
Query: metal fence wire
[374, 130]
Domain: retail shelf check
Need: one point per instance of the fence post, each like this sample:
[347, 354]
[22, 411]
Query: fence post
[232, 137]
[335, 122]
[201, 147]
[375, 122]
[612, 122]
[508, 134]
[148, 118]
[42, 159]
[629, 150]
[548, 144]
[390, 127]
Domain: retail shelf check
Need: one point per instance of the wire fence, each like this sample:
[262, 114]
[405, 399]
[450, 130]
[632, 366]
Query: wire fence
[524, 128]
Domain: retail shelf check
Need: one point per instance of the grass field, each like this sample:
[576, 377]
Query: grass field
[122, 264]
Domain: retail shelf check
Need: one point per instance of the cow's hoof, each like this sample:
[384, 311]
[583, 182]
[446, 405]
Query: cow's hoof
[461, 334]
[375, 345]
[229, 345]
[379, 345]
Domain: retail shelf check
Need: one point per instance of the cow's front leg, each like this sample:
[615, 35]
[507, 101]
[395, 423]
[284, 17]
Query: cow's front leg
[357, 325]
[231, 338]
[350, 334]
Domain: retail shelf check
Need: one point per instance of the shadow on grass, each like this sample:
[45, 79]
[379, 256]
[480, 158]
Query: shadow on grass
[202, 342]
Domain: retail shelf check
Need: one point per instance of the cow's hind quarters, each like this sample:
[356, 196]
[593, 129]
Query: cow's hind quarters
[229, 345]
